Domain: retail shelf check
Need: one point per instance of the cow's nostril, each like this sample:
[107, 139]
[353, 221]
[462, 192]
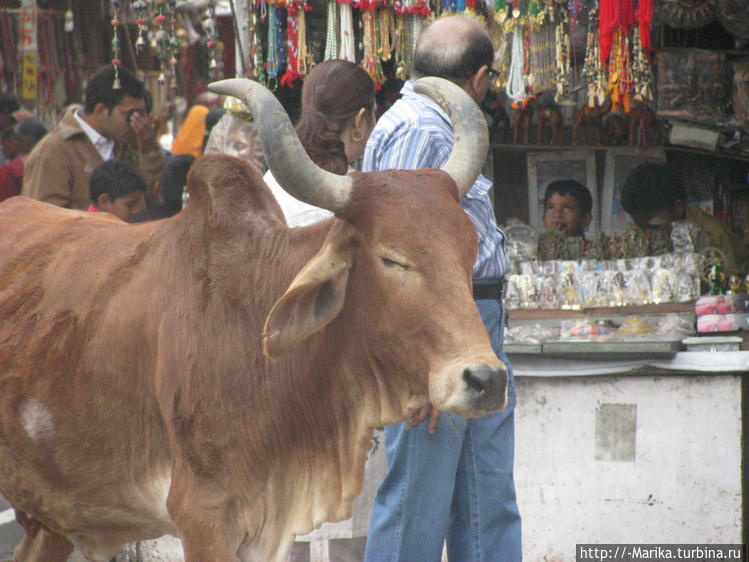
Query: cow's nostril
[476, 379]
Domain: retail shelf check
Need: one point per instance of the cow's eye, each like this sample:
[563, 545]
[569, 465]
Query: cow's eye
[387, 262]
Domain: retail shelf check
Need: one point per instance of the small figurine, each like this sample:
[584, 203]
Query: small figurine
[550, 246]
[716, 279]
[523, 117]
[593, 116]
[619, 285]
[552, 115]
[660, 243]
[569, 292]
[572, 248]
[734, 285]
[598, 249]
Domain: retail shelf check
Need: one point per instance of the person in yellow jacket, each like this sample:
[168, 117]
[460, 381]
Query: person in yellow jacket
[654, 197]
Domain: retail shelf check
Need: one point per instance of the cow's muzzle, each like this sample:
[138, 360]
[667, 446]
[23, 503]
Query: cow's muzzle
[486, 387]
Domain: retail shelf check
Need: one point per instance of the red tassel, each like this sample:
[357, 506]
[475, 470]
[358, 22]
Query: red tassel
[644, 17]
[609, 17]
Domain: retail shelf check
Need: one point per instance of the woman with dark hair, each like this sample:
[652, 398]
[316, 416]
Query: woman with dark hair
[337, 116]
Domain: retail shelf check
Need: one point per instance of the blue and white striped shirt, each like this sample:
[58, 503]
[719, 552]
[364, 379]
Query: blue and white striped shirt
[416, 133]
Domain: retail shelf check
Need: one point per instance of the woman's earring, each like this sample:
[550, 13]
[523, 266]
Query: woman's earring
[357, 135]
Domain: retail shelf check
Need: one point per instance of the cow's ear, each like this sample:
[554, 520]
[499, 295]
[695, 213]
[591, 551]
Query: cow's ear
[313, 299]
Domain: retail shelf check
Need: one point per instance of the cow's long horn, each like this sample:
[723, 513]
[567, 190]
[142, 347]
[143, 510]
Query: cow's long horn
[291, 166]
[469, 126]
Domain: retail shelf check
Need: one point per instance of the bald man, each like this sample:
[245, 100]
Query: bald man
[452, 479]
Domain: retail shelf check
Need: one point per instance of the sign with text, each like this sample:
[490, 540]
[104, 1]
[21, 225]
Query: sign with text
[29, 75]
[27, 31]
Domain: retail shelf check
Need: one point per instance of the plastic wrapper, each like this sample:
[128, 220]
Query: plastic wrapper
[586, 328]
[531, 334]
[687, 237]
[235, 136]
[571, 285]
[522, 240]
[675, 326]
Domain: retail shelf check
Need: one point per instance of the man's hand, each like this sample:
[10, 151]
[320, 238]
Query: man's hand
[145, 129]
[421, 414]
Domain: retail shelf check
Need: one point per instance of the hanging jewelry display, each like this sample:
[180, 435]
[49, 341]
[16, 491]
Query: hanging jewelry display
[173, 43]
[403, 42]
[303, 58]
[516, 87]
[292, 42]
[608, 22]
[642, 73]
[541, 75]
[272, 62]
[257, 68]
[593, 70]
[140, 7]
[347, 32]
[116, 44]
[211, 30]
[331, 38]
[562, 61]
[384, 32]
[370, 61]
[165, 41]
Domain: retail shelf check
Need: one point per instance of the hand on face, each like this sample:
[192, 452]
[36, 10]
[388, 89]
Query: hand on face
[145, 129]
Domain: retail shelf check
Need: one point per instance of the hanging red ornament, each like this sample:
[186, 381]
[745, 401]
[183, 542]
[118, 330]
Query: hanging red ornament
[608, 21]
[644, 17]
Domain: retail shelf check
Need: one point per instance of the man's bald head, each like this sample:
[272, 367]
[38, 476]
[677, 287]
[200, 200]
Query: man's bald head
[454, 48]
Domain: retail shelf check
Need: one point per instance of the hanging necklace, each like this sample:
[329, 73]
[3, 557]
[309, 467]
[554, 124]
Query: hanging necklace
[347, 33]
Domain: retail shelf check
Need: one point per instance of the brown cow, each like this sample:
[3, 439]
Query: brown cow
[135, 397]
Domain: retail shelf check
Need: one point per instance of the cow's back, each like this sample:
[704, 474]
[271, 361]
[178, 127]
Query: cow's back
[79, 423]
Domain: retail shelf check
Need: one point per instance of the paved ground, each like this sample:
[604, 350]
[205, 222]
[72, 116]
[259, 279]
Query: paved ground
[10, 531]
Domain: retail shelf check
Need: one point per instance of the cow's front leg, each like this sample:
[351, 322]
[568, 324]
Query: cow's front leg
[38, 543]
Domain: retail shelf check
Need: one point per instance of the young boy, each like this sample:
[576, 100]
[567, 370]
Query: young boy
[169, 188]
[568, 207]
[118, 188]
[654, 196]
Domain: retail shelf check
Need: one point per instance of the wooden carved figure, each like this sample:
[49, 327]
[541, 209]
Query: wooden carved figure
[552, 115]
[590, 116]
[523, 117]
[641, 118]
[615, 130]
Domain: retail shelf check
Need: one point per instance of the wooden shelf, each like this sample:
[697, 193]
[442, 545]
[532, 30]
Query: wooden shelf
[667, 148]
[666, 308]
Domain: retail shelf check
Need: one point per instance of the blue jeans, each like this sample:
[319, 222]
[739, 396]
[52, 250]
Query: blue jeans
[456, 484]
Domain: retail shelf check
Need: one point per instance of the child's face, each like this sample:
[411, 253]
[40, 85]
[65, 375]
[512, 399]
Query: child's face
[125, 207]
[562, 213]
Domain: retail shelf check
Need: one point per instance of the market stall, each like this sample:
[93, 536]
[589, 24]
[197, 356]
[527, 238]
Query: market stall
[630, 418]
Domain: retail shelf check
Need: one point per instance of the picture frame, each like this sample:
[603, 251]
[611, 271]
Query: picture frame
[618, 163]
[545, 167]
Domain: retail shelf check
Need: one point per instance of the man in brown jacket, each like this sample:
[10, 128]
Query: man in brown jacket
[113, 124]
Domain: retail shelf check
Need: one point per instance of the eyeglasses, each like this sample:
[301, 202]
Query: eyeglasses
[493, 74]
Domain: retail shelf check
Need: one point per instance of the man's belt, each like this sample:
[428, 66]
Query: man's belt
[493, 289]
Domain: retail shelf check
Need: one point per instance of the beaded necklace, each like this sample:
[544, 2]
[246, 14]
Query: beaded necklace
[116, 44]
[347, 33]
[331, 39]
[272, 63]
[292, 22]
